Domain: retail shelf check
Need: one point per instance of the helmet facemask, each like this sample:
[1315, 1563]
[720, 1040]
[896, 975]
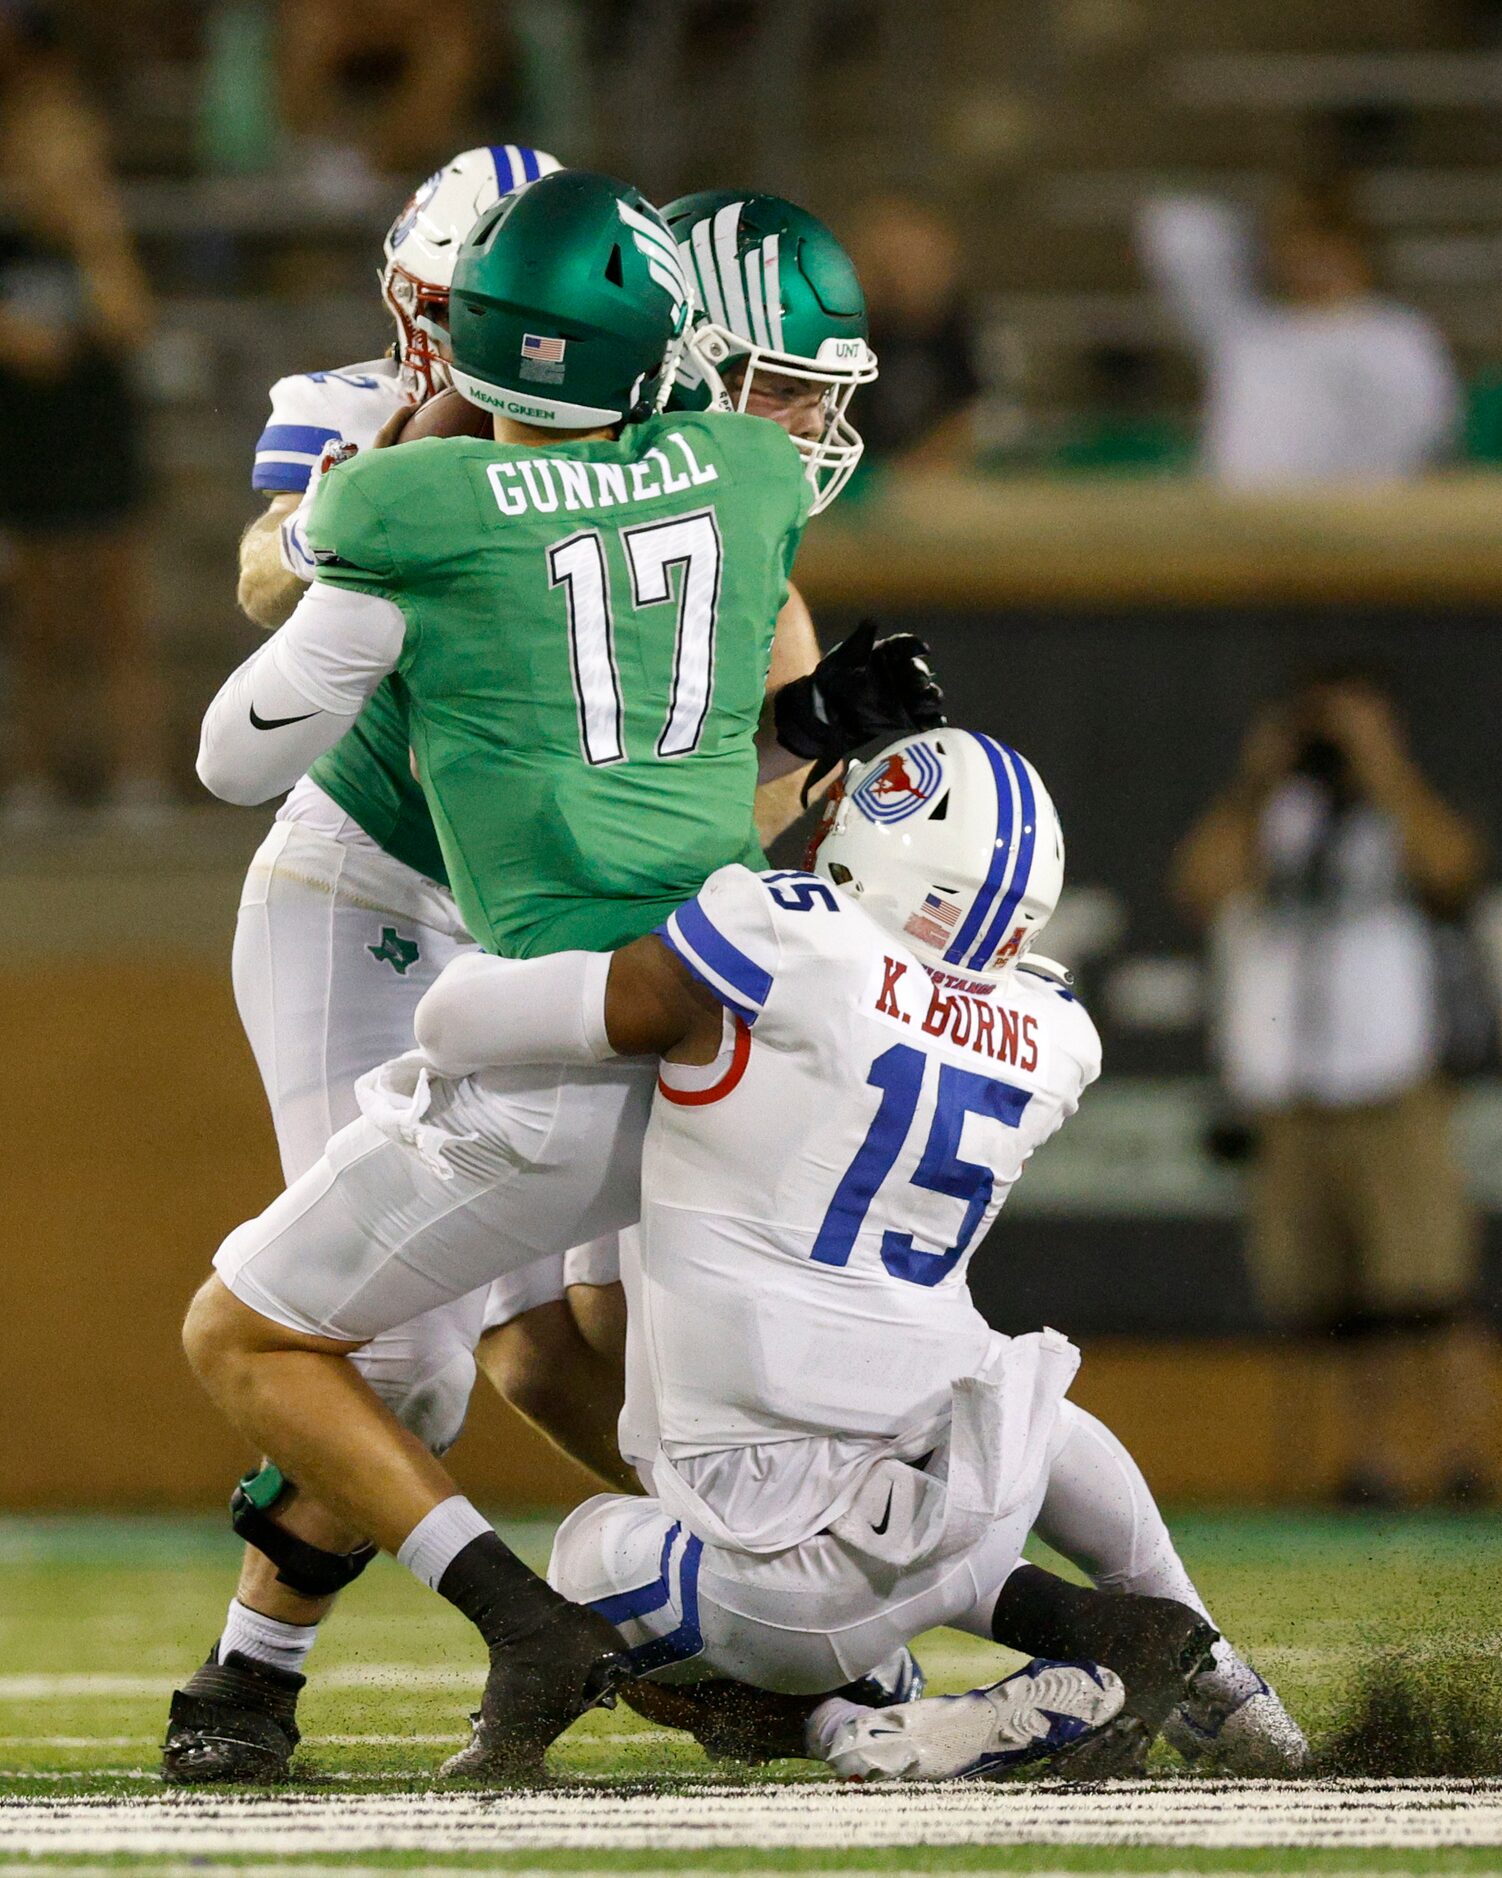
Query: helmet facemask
[421, 313]
[712, 352]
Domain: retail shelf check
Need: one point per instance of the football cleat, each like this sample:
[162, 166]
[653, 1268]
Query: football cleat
[537, 1686]
[1245, 1730]
[232, 1723]
[899, 1679]
[1028, 1718]
[1160, 1647]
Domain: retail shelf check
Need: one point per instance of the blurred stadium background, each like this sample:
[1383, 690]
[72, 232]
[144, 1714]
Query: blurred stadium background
[1040, 514]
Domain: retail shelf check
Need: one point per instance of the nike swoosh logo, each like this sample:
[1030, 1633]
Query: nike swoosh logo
[886, 1517]
[276, 723]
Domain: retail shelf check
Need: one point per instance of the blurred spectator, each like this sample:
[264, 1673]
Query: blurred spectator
[74, 310]
[1312, 377]
[921, 410]
[384, 86]
[1326, 868]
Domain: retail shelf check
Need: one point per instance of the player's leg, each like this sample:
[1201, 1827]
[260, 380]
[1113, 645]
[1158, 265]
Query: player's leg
[737, 1649]
[333, 948]
[555, 1350]
[1099, 1513]
[458, 1183]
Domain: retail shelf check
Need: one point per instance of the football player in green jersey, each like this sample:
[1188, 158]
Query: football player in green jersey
[577, 617]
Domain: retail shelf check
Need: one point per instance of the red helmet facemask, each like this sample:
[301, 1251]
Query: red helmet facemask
[421, 312]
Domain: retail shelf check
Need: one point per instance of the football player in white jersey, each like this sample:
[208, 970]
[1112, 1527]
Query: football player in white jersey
[841, 1453]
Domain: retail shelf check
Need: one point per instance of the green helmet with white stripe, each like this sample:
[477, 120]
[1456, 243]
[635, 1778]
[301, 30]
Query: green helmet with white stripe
[777, 297]
[568, 305]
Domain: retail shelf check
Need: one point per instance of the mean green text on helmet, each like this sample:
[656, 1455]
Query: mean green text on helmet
[776, 294]
[568, 305]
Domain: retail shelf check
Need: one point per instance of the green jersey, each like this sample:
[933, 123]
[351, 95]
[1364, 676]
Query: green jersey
[588, 631]
[369, 774]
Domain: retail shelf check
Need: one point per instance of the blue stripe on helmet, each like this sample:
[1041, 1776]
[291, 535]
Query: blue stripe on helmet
[1001, 853]
[531, 168]
[1027, 838]
[506, 177]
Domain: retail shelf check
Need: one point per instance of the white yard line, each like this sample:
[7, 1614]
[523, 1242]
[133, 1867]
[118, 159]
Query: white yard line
[68, 1688]
[618, 1737]
[1418, 1815]
[201, 1868]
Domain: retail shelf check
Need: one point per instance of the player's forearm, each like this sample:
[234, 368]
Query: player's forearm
[795, 654]
[569, 1007]
[487, 1013]
[780, 803]
[261, 733]
[267, 591]
[296, 696]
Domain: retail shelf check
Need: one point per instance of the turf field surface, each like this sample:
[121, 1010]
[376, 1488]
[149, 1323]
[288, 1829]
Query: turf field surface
[99, 1618]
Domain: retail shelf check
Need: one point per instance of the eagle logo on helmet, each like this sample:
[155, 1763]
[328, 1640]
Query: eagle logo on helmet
[906, 781]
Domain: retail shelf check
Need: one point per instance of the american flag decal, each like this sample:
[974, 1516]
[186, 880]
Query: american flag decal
[944, 911]
[934, 922]
[544, 351]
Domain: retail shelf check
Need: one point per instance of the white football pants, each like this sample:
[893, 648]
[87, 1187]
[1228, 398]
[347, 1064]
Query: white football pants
[818, 1615]
[334, 946]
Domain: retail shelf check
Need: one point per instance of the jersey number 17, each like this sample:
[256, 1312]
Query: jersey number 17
[653, 550]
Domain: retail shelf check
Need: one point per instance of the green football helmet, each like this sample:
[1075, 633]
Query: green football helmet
[776, 292]
[568, 305]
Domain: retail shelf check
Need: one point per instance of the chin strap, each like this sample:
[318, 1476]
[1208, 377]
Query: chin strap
[303, 1568]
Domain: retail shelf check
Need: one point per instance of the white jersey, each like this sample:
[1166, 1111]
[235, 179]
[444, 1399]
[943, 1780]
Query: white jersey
[311, 413]
[810, 1203]
[312, 410]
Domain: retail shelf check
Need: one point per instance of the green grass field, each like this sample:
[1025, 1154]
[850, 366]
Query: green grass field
[98, 1617]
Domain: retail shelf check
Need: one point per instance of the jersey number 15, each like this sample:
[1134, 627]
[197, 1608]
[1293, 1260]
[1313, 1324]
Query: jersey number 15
[898, 1074]
[652, 551]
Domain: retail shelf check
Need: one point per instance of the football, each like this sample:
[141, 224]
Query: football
[446, 414]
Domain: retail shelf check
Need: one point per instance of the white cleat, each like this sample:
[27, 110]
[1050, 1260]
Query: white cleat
[1247, 1732]
[1041, 1709]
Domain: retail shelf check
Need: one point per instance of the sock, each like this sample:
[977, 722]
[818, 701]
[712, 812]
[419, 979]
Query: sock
[438, 1538]
[1042, 1615]
[266, 1639]
[463, 1559]
[825, 1722]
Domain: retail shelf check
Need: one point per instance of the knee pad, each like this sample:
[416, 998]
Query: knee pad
[306, 1569]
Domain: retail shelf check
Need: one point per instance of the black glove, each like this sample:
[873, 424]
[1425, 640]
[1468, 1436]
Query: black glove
[866, 688]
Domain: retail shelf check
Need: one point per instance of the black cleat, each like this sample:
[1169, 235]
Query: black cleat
[537, 1686]
[1159, 1645]
[234, 1723]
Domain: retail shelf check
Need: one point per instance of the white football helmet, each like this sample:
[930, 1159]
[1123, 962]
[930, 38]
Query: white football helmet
[423, 243]
[949, 840]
